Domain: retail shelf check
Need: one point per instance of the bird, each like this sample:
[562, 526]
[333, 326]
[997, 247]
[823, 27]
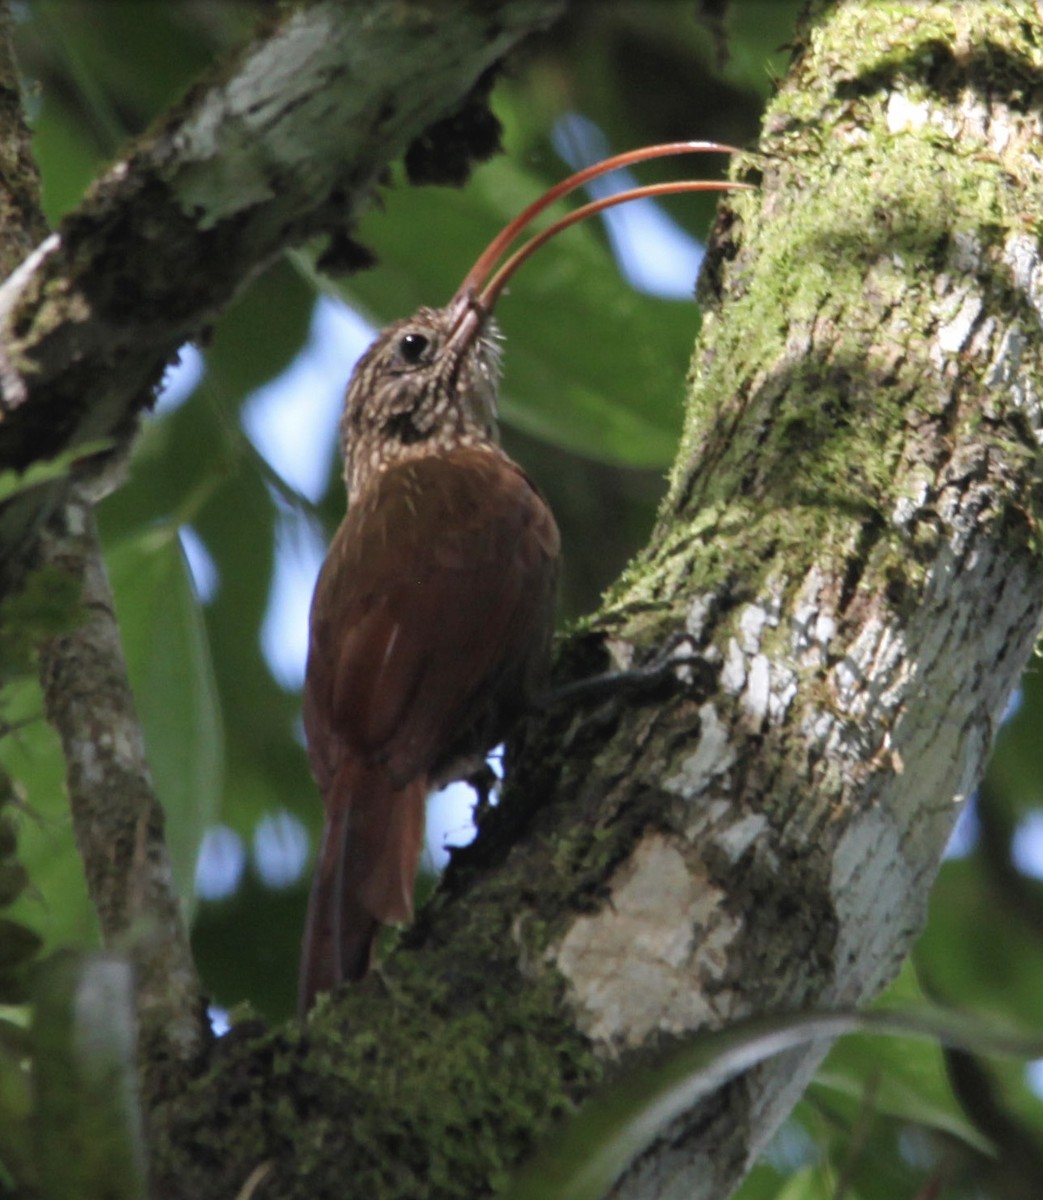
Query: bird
[431, 621]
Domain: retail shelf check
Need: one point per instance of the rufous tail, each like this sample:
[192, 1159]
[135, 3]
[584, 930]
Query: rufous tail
[364, 876]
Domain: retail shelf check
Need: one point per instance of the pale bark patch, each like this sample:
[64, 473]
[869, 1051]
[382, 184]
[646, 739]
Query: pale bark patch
[640, 964]
[712, 757]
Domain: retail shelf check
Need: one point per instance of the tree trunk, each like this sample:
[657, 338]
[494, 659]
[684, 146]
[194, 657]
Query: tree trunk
[846, 571]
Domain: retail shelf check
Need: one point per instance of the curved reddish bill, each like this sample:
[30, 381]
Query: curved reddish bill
[475, 279]
[491, 292]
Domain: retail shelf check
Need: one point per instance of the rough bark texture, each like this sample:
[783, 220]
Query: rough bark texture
[116, 816]
[21, 219]
[851, 537]
[851, 545]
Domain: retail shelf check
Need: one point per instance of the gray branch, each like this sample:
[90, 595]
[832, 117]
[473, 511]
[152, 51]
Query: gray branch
[117, 819]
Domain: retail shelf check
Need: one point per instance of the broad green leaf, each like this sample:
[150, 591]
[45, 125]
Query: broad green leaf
[620, 1123]
[758, 31]
[97, 74]
[259, 334]
[812, 1183]
[248, 944]
[55, 904]
[47, 470]
[15, 1105]
[906, 1078]
[846, 1080]
[89, 1136]
[168, 660]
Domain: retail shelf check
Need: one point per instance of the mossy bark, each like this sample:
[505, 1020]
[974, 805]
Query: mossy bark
[21, 219]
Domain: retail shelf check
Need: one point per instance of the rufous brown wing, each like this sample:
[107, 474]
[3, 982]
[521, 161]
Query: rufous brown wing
[429, 632]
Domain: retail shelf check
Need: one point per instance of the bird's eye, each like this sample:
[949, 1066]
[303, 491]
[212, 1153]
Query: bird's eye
[412, 347]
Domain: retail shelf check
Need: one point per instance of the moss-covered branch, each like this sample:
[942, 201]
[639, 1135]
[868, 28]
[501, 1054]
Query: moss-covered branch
[21, 219]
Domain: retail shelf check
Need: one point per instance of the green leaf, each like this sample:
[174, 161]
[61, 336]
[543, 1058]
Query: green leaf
[89, 1137]
[56, 903]
[811, 1183]
[168, 660]
[908, 1079]
[17, 943]
[758, 32]
[15, 1103]
[617, 1126]
[46, 470]
[260, 334]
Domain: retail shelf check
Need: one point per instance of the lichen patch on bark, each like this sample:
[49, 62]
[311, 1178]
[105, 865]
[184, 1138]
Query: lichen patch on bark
[637, 966]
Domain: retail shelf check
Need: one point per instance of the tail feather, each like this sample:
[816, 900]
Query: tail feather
[365, 875]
